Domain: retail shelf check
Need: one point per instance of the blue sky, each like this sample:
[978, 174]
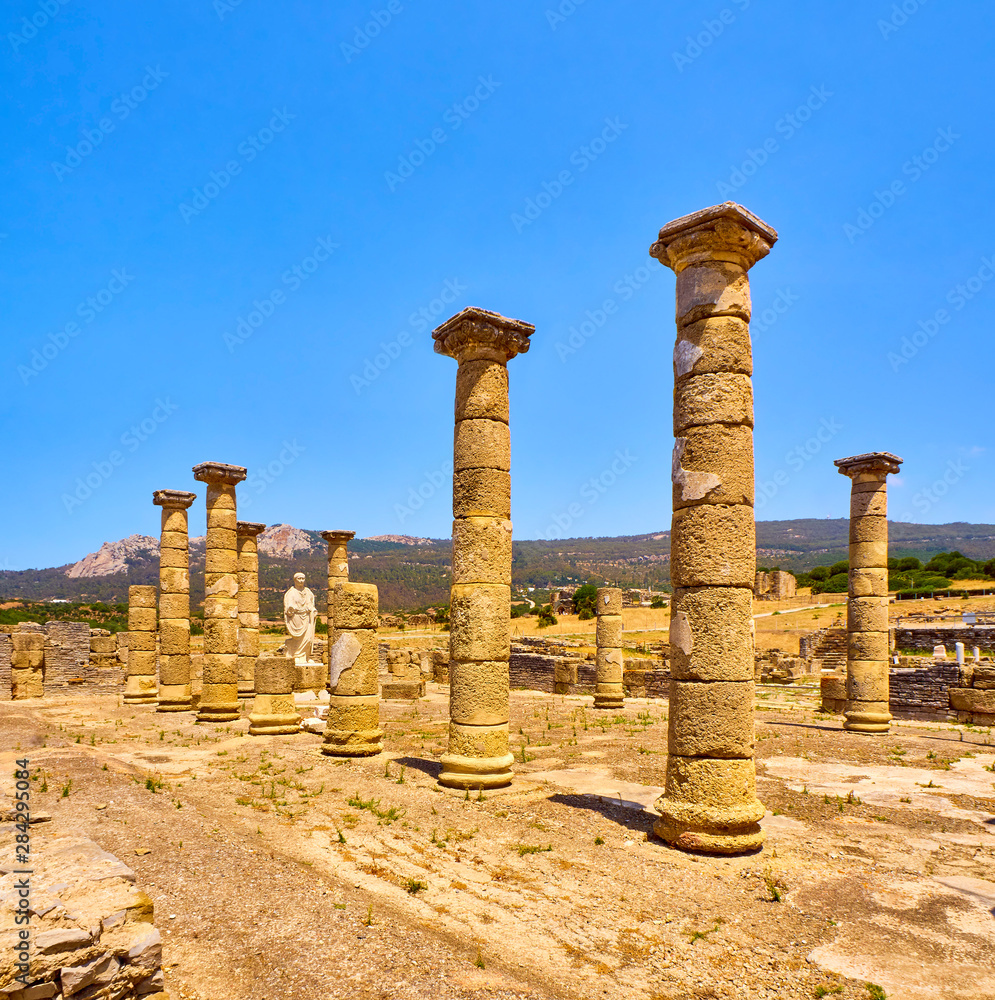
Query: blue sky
[228, 229]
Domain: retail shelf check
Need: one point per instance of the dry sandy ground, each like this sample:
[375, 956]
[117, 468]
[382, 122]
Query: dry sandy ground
[278, 872]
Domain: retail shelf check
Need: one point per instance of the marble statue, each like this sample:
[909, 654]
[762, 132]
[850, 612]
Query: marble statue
[300, 615]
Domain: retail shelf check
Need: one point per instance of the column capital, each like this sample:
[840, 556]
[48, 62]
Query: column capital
[249, 529]
[338, 537]
[726, 232]
[218, 472]
[173, 499]
[880, 462]
[475, 334]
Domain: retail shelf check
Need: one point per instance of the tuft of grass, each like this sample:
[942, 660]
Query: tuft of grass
[415, 886]
[368, 919]
[599, 840]
[875, 991]
[524, 849]
[153, 784]
[775, 887]
[701, 935]
[823, 991]
[479, 960]
[385, 816]
[66, 788]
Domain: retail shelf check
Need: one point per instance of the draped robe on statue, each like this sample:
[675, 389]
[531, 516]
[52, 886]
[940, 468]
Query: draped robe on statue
[300, 614]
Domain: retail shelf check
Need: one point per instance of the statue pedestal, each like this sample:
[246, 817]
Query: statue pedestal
[310, 675]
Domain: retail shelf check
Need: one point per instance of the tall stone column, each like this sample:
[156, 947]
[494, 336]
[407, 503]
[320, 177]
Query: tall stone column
[139, 682]
[608, 691]
[246, 533]
[219, 695]
[353, 728]
[710, 802]
[482, 343]
[174, 601]
[867, 609]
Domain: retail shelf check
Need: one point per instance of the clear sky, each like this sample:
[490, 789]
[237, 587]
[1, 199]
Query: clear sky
[229, 227]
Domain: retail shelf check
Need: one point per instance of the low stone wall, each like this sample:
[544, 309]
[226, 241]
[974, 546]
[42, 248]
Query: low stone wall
[924, 639]
[92, 930]
[6, 648]
[67, 655]
[922, 692]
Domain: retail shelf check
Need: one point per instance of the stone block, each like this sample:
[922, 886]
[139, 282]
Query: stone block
[482, 492]
[867, 614]
[869, 529]
[720, 344]
[141, 596]
[867, 646]
[711, 634]
[712, 546]
[609, 630]
[712, 399]
[867, 680]
[609, 601]
[482, 444]
[710, 793]
[482, 390]
[711, 719]
[481, 550]
[480, 622]
[479, 692]
[712, 288]
[868, 582]
[354, 662]
[869, 555]
[713, 464]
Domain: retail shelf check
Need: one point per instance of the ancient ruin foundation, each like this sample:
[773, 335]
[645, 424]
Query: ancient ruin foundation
[248, 604]
[482, 343]
[140, 680]
[710, 802]
[273, 710]
[609, 692]
[353, 728]
[174, 601]
[867, 610]
[219, 694]
[27, 662]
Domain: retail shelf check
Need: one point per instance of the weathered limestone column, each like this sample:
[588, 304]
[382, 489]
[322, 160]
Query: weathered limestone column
[710, 802]
[174, 601]
[353, 728]
[273, 710]
[219, 695]
[608, 691]
[139, 682]
[338, 572]
[867, 609]
[482, 343]
[246, 533]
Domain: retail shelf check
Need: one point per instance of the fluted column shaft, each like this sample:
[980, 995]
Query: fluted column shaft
[867, 692]
[482, 343]
[247, 533]
[140, 682]
[608, 691]
[710, 802]
[219, 694]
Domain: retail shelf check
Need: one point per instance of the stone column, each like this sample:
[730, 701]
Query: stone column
[139, 682]
[608, 691]
[353, 728]
[338, 572]
[482, 343]
[273, 710]
[219, 695]
[246, 533]
[174, 601]
[867, 609]
[710, 802]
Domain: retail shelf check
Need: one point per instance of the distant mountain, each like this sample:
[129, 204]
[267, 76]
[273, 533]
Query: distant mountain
[413, 573]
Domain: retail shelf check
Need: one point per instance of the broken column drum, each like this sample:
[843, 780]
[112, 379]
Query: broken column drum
[353, 728]
[248, 604]
[273, 710]
[710, 802]
[219, 694]
[867, 609]
[608, 691]
[482, 343]
[140, 682]
[174, 601]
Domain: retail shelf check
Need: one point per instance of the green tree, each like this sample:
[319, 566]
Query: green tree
[585, 599]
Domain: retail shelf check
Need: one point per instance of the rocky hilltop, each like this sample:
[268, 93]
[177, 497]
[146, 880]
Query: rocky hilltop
[116, 557]
[283, 541]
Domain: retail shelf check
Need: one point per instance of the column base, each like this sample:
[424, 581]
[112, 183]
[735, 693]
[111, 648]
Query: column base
[246, 689]
[175, 698]
[867, 717]
[346, 743]
[140, 689]
[476, 772]
[710, 806]
[274, 725]
[609, 699]
[218, 713]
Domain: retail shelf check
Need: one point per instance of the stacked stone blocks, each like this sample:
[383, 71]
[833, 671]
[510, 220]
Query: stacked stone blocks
[247, 533]
[174, 601]
[710, 801]
[867, 609]
[219, 691]
[273, 710]
[27, 662]
[609, 692]
[482, 343]
[140, 680]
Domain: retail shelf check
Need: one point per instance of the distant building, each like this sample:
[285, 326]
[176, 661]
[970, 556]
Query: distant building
[776, 585]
